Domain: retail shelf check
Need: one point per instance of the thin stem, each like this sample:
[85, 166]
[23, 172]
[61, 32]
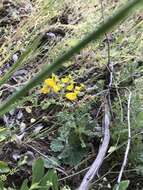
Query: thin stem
[128, 144]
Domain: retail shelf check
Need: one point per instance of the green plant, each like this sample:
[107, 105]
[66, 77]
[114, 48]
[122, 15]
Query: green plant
[62, 87]
[75, 132]
[29, 50]
[123, 185]
[40, 180]
[95, 35]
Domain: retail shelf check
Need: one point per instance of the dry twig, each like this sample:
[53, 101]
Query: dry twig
[128, 144]
[101, 154]
[105, 124]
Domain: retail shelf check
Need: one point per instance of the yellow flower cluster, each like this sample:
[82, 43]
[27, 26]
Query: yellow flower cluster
[51, 84]
[66, 85]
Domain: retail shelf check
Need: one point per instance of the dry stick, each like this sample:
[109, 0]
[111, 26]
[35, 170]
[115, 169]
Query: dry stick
[105, 126]
[109, 66]
[85, 169]
[60, 169]
[128, 144]
[101, 154]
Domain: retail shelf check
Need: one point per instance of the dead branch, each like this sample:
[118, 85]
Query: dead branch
[93, 171]
[128, 144]
[101, 154]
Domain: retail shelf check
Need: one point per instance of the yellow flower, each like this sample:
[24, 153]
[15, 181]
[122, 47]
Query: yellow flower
[50, 82]
[78, 89]
[65, 80]
[56, 88]
[82, 85]
[76, 92]
[44, 90]
[71, 96]
[70, 87]
[55, 77]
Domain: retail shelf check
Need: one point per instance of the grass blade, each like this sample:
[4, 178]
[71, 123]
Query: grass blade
[31, 48]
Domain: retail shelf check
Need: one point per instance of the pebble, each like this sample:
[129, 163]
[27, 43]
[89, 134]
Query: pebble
[15, 57]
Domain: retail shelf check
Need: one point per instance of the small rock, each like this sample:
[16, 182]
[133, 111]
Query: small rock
[22, 127]
[16, 156]
[32, 120]
[19, 115]
[51, 34]
[15, 57]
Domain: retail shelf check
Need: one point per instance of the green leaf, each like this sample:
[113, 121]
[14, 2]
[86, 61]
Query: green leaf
[37, 171]
[4, 167]
[1, 185]
[123, 185]
[34, 186]
[72, 155]
[50, 180]
[24, 185]
[49, 68]
[56, 145]
[45, 183]
[55, 181]
[3, 134]
[51, 162]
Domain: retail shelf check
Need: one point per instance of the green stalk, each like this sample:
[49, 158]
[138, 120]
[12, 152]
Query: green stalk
[31, 48]
[49, 68]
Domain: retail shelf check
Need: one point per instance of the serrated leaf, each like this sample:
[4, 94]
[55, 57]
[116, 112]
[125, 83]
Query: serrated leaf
[72, 155]
[56, 145]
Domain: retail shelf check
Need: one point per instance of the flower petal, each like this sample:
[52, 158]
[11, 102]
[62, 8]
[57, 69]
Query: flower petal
[70, 87]
[50, 82]
[45, 90]
[71, 96]
[56, 88]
